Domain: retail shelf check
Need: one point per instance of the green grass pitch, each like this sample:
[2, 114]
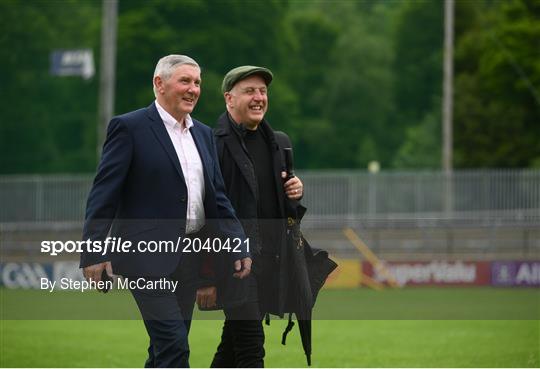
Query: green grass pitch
[400, 341]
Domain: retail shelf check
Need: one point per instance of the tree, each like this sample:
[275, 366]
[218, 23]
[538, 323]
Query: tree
[48, 122]
[218, 34]
[497, 112]
[343, 80]
[418, 38]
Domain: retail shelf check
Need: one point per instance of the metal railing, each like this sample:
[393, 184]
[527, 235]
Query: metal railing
[475, 195]
[482, 214]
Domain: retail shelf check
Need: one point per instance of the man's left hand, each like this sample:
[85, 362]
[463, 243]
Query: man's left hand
[293, 187]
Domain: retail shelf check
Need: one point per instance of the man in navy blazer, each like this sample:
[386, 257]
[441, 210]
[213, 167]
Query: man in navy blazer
[159, 180]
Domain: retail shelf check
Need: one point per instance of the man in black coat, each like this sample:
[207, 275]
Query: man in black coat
[252, 167]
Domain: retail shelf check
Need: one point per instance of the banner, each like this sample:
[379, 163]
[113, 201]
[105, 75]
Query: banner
[348, 275]
[437, 273]
[515, 273]
[30, 275]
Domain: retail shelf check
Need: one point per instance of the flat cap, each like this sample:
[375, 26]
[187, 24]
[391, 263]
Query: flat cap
[239, 73]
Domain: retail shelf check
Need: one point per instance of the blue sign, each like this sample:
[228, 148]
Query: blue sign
[73, 63]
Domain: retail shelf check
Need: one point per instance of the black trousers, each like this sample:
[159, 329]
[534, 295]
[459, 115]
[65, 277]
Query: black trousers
[242, 338]
[167, 315]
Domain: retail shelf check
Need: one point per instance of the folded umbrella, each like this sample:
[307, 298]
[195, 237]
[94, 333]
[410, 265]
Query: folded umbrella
[309, 269]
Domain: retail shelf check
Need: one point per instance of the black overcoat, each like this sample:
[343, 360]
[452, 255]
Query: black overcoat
[241, 188]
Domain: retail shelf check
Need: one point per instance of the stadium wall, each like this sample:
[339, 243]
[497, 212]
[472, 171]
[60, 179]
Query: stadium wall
[349, 274]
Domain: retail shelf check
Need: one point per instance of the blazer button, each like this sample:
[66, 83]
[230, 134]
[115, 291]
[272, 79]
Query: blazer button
[183, 199]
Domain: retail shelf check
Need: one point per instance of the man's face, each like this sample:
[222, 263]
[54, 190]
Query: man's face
[247, 102]
[180, 92]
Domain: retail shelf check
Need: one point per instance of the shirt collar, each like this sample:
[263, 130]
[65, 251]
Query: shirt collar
[169, 119]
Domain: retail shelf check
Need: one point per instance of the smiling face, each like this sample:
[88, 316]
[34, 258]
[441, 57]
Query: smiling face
[247, 102]
[179, 94]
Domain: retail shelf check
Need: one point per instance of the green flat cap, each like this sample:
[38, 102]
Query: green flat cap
[239, 73]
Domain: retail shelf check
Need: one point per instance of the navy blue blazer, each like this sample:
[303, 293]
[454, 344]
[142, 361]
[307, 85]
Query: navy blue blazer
[139, 194]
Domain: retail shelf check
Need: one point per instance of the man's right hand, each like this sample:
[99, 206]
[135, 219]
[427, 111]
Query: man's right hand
[206, 297]
[242, 268]
[93, 272]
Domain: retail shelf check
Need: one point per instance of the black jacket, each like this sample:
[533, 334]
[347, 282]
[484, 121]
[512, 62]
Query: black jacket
[241, 188]
[297, 272]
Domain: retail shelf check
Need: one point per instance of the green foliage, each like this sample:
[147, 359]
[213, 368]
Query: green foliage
[218, 34]
[47, 123]
[422, 143]
[355, 81]
[497, 115]
[418, 37]
[344, 80]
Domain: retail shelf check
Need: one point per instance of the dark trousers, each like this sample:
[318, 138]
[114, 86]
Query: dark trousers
[242, 338]
[167, 317]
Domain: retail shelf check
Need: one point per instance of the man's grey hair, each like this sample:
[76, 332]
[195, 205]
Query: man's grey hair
[167, 65]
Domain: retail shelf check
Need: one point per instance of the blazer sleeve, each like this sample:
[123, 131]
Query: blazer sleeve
[107, 188]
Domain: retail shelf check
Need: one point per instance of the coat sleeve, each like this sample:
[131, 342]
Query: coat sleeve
[106, 190]
[229, 224]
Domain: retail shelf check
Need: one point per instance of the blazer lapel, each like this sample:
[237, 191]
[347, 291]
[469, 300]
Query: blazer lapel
[158, 127]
